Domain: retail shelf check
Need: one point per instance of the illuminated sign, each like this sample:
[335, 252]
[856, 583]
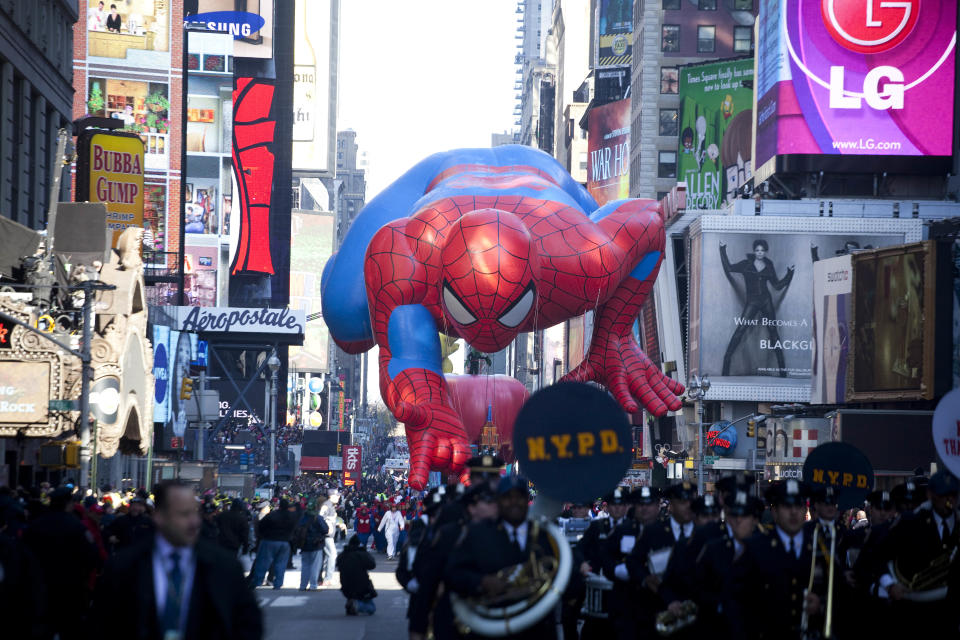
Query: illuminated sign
[115, 165]
[240, 320]
[24, 392]
[608, 142]
[351, 458]
[854, 77]
[239, 24]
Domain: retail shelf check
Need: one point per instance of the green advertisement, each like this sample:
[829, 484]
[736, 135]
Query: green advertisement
[714, 157]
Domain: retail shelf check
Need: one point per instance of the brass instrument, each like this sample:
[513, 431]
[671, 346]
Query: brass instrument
[929, 584]
[828, 621]
[668, 623]
[532, 590]
[805, 631]
[805, 617]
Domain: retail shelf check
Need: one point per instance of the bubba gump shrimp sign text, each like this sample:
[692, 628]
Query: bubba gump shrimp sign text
[116, 179]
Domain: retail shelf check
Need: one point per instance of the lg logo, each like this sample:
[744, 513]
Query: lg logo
[870, 26]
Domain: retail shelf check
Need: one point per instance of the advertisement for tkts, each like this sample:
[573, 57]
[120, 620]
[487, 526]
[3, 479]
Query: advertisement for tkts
[855, 77]
[752, 297]
[608, 142]
[716, 119]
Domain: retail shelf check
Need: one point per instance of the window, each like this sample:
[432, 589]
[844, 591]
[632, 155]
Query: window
[669, 79]
[669, 122]
[743, 5]
[706, 38]
[707, 5]
[583, 161]
[670, 38]
[667, 164]
[743, 39]
[662, 194]
[671, 4]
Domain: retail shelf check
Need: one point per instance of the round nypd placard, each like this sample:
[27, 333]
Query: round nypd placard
[573, 441]
[946, 430]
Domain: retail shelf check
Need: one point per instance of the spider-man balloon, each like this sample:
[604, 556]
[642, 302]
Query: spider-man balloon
[485, 244]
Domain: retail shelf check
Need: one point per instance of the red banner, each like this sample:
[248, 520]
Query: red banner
[352, 458]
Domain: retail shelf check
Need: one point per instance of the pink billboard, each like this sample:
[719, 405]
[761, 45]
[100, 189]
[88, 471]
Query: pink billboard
[854, 77]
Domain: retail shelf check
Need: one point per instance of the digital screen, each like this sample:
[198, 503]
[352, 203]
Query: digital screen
[855, 77]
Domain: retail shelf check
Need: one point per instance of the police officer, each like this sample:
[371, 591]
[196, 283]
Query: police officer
[719, 569]
[647, 563]
[625, 596]
[868, 565]
[592, 547]
[573, 528]
[485, 468]
[489, 546]
[778, 570]
[920, 552]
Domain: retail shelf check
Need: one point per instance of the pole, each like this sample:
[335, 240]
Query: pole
[86, 374]
[148, 481]
[273, 426]
[701, 441]
[202, 424]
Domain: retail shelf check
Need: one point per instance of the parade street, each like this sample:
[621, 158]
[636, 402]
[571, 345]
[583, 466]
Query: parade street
[290, 613]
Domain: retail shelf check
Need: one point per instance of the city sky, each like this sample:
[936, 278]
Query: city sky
[424, 76]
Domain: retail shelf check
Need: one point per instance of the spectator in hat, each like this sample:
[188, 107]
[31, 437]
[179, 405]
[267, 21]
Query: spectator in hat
[132, 527]
[234, 526]
[175, 585]
[67, 557]
[209, 529]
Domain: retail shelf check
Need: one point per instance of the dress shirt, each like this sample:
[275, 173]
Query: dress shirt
[161, 568]
[686, 530]
[518, 534]
[939, 520]
[785, 538]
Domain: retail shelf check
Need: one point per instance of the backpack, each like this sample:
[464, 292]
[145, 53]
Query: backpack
[310, 532]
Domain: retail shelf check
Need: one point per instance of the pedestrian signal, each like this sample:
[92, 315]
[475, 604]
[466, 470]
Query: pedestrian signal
[186, 388]
[751, 429]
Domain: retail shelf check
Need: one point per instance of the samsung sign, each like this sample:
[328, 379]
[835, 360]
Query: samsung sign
[239, 24]
[240, 320]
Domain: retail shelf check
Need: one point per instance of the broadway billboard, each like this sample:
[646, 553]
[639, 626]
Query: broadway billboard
[751, 302]
[714, 156]
[608, 141]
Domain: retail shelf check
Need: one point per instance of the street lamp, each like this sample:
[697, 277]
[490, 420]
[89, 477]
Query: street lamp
[697, 389]
[274, 364]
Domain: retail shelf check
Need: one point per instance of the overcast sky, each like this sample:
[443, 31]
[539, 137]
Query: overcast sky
[423, 76]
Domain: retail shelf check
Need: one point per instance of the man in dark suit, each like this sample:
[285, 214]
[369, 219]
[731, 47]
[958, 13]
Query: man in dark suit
[175, 586]
[489, 546]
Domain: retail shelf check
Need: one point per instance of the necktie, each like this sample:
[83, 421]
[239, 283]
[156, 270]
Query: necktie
[516, 540]
[945, 534]
[792, 550]
[682, 537]
[171, 609]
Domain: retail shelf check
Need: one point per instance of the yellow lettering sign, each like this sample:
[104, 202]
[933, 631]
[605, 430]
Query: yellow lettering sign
[861, 481]
[609, 442]
[586, 441]
[561, 442]
[818, 475]
[538, 449]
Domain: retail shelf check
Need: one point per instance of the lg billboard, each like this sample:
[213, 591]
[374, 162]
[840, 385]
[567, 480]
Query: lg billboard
[842, 78]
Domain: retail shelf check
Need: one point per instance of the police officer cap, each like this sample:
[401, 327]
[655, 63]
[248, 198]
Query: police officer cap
[944, 483]
[907, 495]
[513, 483]
[644, 495]
[487, 463]
[480, 492]
[787, 492]
[880, 500]
[824, 494]
[728, 485]
[619, 495]
[743, 504]
[682, 491]
[706, 506]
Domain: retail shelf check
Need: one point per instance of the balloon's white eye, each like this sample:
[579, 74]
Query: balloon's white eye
[513, 316]
[457, 310]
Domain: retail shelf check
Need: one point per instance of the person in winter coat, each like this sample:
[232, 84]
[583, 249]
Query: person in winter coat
[309, 536]
[362, 525]
[354, 564]
[234, 528]
[391, 524]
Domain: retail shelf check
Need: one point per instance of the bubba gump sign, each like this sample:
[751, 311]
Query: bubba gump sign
[114, 166]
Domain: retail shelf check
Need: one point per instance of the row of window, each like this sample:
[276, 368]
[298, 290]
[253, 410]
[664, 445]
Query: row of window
[706, 38]
[710, 5]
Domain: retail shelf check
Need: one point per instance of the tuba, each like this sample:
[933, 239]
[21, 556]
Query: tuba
[668, 623]
[929, 584]
[533, 589]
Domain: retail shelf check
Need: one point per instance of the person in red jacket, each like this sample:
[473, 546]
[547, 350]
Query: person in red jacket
[363, 524]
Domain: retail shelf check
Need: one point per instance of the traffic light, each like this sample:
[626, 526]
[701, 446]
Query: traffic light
[186, 388]
[338, 448]
[751, 429]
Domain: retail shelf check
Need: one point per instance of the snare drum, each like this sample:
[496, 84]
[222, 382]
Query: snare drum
[596, 604]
